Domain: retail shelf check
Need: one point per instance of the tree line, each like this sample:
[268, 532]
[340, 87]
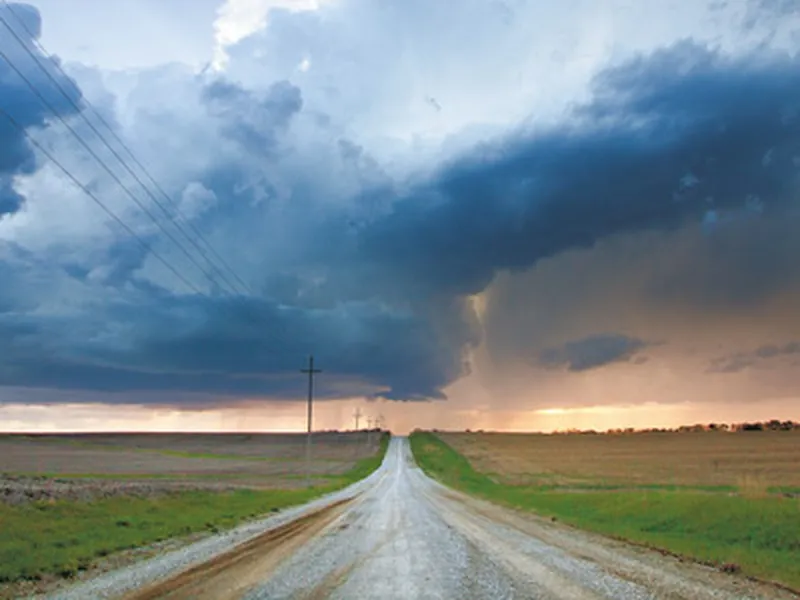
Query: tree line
[771, 425]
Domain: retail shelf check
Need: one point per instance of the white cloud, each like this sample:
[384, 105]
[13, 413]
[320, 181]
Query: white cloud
[237, 19]
[129, 34]
[196, 199]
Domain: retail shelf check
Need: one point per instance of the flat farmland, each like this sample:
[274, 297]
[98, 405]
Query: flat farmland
[70, 502]
[258, 458]
[730, 500]
[757, 461]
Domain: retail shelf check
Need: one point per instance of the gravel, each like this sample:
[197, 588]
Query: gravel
[405, 536]
[410, 537]
[117, 583]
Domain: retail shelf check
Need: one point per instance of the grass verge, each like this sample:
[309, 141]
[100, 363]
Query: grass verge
[63, 537]
[760, 535]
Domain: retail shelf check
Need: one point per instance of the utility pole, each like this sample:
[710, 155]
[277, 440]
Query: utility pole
[379, 426]
[357, 416]
[311, 372]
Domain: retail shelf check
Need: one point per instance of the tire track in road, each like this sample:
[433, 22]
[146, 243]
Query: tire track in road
[231, 574]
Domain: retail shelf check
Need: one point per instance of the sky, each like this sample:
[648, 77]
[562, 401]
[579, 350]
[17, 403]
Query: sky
[515, 215]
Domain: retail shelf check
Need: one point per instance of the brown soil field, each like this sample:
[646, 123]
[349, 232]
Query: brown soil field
[750, 461]
[87, 466]
[328, 445]
[17, 490]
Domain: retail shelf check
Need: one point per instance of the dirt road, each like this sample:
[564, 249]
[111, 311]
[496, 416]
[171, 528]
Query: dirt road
[401, 535]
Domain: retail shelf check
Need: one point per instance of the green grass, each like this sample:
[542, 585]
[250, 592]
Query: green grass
[64, 537]
[367, 465]
[784, 490]
[759, 534]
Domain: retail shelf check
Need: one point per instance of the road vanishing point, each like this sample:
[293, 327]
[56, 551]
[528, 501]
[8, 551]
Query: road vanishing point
[400, 535]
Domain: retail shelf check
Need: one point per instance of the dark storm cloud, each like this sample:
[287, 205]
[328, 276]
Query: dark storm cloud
[233, 347]
[17, 99]
[592, 352]
[669, 139]
[10, 200]
[739, 361]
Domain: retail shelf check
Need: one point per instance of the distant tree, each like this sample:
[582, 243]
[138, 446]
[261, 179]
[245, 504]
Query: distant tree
[752, 427]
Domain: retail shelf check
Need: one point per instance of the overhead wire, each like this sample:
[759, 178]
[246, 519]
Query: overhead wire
[99, 202]
[127, 149]
[105, 166]
[219, 271]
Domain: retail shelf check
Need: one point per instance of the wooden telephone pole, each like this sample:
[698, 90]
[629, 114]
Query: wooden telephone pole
[311, 372]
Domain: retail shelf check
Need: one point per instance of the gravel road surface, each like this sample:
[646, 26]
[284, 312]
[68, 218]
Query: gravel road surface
[400, 535]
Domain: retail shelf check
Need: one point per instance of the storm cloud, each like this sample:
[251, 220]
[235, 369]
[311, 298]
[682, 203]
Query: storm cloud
[669, 139]
[592, 352]
[20, 27]
[739, 361]
[372, 268]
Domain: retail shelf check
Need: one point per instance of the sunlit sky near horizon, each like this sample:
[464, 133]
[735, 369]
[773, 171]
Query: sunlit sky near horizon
[500, 214]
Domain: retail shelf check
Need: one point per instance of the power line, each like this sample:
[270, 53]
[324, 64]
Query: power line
[117, 156]
[108, 170]
[121, 143]
[99, 202]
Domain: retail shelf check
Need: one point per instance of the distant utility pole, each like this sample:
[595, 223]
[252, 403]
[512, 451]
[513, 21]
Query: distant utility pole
[311, 372]
[357, 416]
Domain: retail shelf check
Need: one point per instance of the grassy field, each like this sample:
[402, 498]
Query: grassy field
[647, 495]
[58, 534]
[747, 461]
